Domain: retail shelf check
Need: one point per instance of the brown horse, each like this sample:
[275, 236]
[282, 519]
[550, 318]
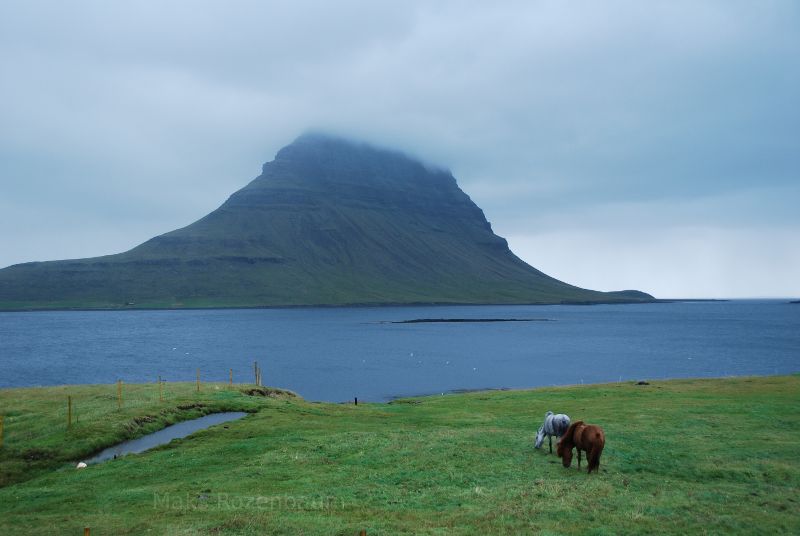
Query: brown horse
[588, 437]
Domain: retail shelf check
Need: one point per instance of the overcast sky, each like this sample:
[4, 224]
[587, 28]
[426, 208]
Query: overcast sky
[615, 144]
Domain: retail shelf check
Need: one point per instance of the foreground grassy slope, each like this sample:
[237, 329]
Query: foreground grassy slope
[696, 456]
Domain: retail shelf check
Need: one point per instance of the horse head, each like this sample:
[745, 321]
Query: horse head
[567, 443]
[540, 434]
[561, 447]
[539, 437]
[565, 454]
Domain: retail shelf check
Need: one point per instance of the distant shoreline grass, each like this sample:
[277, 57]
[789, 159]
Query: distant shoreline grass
[31, 309]
[21, 307]
[682, 456]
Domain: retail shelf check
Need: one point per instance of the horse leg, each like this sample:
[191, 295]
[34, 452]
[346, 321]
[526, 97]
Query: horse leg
[551, 443]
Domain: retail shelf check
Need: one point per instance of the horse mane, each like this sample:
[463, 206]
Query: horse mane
[566, 440]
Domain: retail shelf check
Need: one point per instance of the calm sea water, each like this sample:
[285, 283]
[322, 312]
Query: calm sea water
[338, 353]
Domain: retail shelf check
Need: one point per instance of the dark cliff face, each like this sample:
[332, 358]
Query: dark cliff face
[328, 221]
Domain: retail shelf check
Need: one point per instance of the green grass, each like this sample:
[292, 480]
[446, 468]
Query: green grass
[682, 457]
[37, 438]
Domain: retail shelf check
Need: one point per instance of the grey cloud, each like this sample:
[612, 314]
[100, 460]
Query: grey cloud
[548, 113]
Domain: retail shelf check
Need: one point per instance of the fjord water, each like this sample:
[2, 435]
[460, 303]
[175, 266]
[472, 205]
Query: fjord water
[336, 354]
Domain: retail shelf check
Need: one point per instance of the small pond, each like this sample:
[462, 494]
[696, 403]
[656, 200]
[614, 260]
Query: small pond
[176, 431]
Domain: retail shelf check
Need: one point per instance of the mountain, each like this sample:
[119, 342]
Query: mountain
[328, 222]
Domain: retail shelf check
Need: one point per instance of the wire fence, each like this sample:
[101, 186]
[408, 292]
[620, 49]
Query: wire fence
[44, 417]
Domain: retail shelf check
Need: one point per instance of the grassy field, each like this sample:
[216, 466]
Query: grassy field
[682, 457]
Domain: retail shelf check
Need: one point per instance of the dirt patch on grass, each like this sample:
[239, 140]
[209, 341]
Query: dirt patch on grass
[196, 405]
[138, 421]
[270, 392]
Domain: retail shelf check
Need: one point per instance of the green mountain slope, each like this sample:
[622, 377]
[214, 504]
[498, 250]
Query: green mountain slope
[327, 222]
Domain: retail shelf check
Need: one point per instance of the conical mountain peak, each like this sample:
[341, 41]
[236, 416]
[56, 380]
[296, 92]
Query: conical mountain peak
[329, 221]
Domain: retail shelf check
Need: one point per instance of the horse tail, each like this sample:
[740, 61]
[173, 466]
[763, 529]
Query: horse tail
[598, 442]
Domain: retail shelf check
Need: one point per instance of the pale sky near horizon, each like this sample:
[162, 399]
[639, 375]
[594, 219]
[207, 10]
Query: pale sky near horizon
[615, 144]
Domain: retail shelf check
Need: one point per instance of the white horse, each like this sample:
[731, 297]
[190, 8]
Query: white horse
[554, 425]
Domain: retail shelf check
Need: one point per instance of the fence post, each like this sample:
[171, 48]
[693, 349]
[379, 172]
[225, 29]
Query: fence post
[1, 431]
[160, 389]
[69, 412]
[198, 380]
[86, 531]
[255, 371]
[119, 394]
[230, 377]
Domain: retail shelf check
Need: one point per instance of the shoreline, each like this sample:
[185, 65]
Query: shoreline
[389, 399]
[331, 306]
[651, 382]
[378, 305]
